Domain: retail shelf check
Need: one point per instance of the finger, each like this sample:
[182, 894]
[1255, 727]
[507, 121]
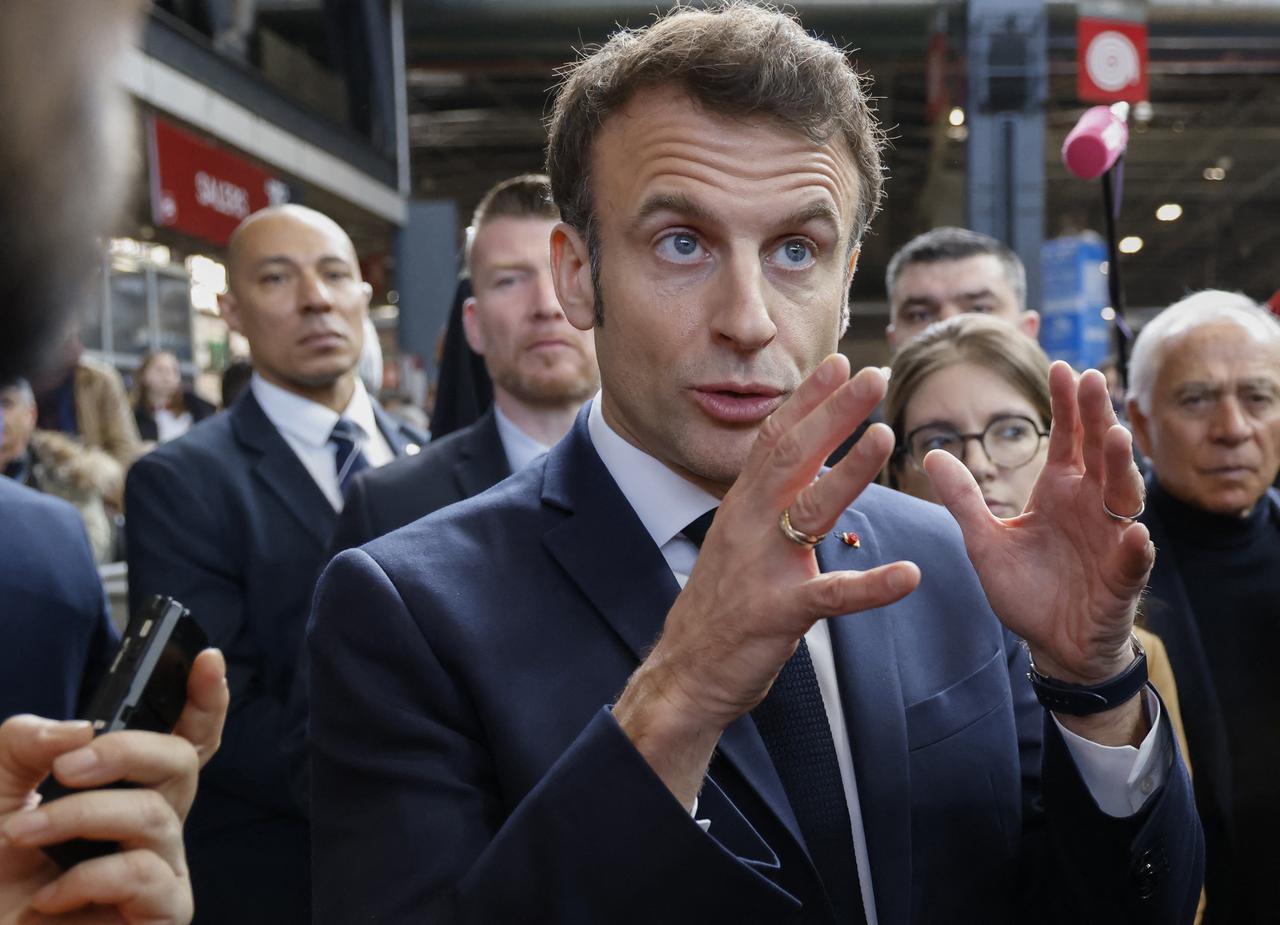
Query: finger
[797, 456]
[1064, 433]
[956, 489]
[834, 593]
[1096, 417]
[1123, 488]
[28, 746]
[205, 713]
[151, 759]
[1133, 558]
[818, 507]
[829, 375]
[140, 884]
[137, 819]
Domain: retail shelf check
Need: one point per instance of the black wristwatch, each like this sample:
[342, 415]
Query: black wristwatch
[1085, 700]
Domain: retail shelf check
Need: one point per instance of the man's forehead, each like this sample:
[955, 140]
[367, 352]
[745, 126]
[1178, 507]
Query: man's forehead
[1221, 348]
[295, 234]
[507, 234]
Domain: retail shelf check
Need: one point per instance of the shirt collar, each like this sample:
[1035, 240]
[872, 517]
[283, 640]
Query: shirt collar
[307, 421]
[665, 502]
[521, 449]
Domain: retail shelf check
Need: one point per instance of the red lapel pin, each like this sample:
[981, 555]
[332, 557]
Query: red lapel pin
[849, 538]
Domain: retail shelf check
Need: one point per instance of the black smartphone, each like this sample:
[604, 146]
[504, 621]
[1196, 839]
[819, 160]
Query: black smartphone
[145, 688]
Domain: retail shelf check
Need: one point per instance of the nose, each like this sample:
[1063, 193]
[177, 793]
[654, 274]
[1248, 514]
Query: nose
[546, 305]
[976, 460]
[314, 294]
[740, 310]
[1230, 424]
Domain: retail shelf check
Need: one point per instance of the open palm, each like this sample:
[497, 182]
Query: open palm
[1064, 575]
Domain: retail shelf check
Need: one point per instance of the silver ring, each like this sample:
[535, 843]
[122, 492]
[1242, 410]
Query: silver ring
[799, 537]
[1142, 506]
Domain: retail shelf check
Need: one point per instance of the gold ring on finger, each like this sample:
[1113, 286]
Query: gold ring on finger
[799, 537]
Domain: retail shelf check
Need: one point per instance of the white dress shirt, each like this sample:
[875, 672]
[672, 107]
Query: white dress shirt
[521, 449]
[1120, 779]
[170, 426]
[307, 426]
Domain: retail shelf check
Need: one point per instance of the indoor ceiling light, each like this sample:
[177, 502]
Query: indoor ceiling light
[1108, 313]
[1169, 212]
[956, 116]
[1130, 245]
[1214, 173]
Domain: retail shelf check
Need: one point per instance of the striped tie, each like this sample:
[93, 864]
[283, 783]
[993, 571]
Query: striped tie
[348, 458]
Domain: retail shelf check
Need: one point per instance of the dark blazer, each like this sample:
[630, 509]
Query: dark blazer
[228, 520]
[146, 419]
[466, 766]
[1169, 616]
[56, 637]
[463, 464]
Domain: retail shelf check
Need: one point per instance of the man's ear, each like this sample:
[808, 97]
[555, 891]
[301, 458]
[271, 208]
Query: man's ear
[471, 326]
[366, 289]
[571, 273]
[1140, 425]
[229, 309]
[1029, 323]
[891, 335]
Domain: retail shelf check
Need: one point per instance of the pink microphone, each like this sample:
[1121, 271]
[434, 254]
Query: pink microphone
[1096, 141]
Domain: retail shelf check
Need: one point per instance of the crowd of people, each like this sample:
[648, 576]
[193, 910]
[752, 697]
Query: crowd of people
[692, 622]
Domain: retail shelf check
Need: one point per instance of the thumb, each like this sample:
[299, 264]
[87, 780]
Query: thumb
[28, 745]
[206, 708]
[955, 487]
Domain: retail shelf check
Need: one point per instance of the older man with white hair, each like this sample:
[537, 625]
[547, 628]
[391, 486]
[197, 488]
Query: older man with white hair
[1204, 401]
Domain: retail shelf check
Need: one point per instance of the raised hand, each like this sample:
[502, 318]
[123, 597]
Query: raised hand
[754, 593]
[147, 881]
[1066, 574]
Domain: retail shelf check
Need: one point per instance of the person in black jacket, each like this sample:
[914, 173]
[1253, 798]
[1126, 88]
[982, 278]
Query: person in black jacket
[542, 369]
[162, 408]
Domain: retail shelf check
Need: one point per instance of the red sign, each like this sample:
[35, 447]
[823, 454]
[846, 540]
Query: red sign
[1111, 60]
[201, 189]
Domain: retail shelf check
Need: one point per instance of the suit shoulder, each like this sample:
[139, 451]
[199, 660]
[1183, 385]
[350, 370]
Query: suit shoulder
[435, 457]
[907, 515]
[24, 509]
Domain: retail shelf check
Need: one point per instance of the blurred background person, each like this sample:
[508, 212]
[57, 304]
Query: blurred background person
[1204, 402]
[950, 271]
[978, 388]
[463, 389]
[58, 465]
[85, 398]
[541, 367]
[162, 408]
[235, 378]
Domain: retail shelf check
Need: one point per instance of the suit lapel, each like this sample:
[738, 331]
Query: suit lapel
[280, 469]
[871, 696]
[397, 437]
[608, 554]
[482, 459]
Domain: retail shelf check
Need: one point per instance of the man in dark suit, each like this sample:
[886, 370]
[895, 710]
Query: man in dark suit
[234, 520]
[542, 369]
[566, 701]
[1204, 400]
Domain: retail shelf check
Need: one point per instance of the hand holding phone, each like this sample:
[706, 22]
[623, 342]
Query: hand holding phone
[144, 689]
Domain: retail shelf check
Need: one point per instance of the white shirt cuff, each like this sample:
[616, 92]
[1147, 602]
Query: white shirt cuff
[1121, 778]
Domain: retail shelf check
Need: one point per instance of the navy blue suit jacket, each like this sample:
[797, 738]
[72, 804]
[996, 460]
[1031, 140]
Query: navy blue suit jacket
[466, 766]
[56, 637]
[228, 520]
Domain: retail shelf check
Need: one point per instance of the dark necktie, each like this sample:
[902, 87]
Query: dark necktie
[793, 724]
[348, 457]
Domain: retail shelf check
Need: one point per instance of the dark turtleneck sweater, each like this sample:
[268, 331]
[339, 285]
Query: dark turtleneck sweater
[1230, 568]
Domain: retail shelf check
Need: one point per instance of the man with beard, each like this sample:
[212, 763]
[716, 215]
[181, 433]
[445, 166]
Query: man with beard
[542, 367]
[59, 100]
[234, 517]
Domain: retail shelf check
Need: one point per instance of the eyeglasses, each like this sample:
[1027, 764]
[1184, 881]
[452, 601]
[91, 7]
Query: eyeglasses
[1010, 441]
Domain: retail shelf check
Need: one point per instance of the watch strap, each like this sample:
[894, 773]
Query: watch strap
[1084, 699]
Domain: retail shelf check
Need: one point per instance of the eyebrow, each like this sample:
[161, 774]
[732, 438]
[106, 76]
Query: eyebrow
[994, 416]
[684, 205]
[281, 258]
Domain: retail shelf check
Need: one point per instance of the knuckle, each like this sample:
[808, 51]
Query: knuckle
[804, 512]
[154, 812]
[770, 431]
[787, 451]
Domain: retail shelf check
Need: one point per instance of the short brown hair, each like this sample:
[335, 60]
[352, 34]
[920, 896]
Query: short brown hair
[737, 59]
[525, 196]
[983, 341]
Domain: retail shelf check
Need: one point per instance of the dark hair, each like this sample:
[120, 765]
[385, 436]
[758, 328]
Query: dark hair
[942, 244]
[737, 59]
[140, 388]
[990, 343]
[234, 380]
[525, 196]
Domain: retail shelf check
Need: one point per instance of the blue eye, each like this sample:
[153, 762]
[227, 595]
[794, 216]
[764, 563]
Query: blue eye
[794, 254]
[680, 247]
